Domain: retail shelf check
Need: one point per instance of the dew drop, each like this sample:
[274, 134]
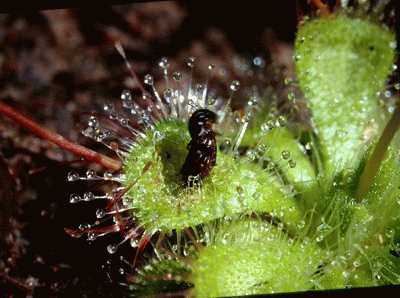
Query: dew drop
[235, 85]
[211, 101]
[164, 63]
[390, 233]
[268, 125]
[198, 87]
[93, 122]
[88, 196]
[292, 163]
[108, 106]
[112, 248]
[291, 96]
[158, 136]
[73, 176]
[84, 227]
[288, 80]
[168, 94]
[246, 118]
[100, 213]
[296, 57]
[301, 224]
[309, 145]
[124, 122]
[74, 198]
[126, 95]
[270, 166]
[191, 62]
[177, 75]
[113, 115]
[134, 242]
[261, 147]
[90, 174]
[149, 79]
[259, 61]
[324, 227]
[92, 236]
[285, 154]
[282, 121]
[250, 155]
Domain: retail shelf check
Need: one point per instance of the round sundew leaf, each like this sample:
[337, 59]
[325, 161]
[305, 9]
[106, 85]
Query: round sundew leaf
[160, 201]
[342, 64]
[260, 259]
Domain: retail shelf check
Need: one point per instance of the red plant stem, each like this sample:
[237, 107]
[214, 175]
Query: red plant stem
[57, 139]
[321, 6]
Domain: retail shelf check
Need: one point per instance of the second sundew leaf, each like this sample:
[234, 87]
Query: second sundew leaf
[342, 64]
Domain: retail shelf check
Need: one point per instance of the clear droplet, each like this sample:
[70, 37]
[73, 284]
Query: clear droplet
[158, 136]
[235, 85]
[309, 145]
[211, 101]
[126, 97]
[177, 75]
[324, 227]
[100, 213]
[149, 79]
[291, 96]
[124, 122]
[90, 174]
[92, 236]
[296, 57]
[301, 224]
[268, 125]
[198, 87]
[168, 94]
[259, 61]
[88, 196]
[389, 233]
[285, 154]
[134, 242]
[261, 147]
[93, 122]
[74, 198]
[112, 248]
[282, 121]
[73, 176]
[288, 80]
[113, 115]
[292, 163]
[108, 106]
[83, 227]
[191, 62]
[164, 63]
[246, 118]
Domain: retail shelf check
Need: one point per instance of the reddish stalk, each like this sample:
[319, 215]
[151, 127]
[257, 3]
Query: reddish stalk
[322, 7]
[57, 139]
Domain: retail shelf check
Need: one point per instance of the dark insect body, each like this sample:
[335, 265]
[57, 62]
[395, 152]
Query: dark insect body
[202, 148]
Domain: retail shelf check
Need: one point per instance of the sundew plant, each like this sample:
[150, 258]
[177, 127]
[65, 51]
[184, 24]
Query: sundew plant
[289, 205]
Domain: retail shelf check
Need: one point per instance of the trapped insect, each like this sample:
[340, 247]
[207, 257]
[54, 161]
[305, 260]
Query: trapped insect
[202, 148]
